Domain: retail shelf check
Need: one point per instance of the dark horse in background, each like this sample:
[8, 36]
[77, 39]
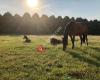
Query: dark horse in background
[75, 29]
[26, 39]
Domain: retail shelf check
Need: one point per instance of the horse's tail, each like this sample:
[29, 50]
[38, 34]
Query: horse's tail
[84, 38]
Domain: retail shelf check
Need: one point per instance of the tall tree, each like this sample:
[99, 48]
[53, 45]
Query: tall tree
[26, 23]
[36, 23]
[7, 23]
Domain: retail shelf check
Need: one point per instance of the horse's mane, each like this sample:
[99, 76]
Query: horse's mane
[73, 22]
[67, 26]
[69, 23]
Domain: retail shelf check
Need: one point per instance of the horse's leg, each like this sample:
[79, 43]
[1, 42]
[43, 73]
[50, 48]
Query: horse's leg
[73, 39]
[86, 39]
[81, 39]
[65, 40]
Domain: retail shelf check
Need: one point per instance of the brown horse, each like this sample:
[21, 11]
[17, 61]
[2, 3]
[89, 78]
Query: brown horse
[75, 29]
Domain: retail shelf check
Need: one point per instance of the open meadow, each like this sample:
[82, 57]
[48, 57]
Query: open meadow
[22, 61]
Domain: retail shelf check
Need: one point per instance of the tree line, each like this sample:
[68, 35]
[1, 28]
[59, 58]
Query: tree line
[43, 25]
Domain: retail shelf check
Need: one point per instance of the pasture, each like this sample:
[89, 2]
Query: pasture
[21, 61]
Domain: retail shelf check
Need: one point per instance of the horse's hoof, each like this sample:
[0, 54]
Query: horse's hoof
[64, 49]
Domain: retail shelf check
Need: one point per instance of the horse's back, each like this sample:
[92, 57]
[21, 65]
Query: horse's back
[78, 28]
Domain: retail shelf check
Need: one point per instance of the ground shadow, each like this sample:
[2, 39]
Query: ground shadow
[97, 57]
[83, 58]
[95, 48]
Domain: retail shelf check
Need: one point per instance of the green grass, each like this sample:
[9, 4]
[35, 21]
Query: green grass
[21, 61]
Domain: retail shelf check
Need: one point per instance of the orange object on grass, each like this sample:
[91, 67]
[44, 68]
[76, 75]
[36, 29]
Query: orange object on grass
[40, 48]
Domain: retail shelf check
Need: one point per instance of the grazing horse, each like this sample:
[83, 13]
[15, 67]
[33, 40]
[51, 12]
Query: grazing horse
[75, 29]
[26, 39]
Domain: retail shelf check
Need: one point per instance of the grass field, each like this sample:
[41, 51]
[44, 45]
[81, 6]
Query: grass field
[21, 61]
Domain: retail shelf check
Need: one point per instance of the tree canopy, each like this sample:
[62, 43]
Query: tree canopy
[36, 25]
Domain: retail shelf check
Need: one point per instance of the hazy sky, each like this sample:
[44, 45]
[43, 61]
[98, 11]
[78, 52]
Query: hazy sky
[89, 9]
